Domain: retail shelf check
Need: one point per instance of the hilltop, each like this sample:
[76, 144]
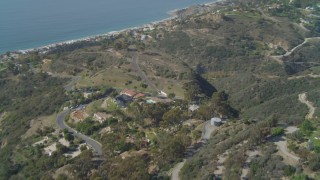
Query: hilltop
[230, 89]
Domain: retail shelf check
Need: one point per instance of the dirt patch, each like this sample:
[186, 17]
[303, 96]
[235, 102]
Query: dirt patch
[64, 170]
[39, 123]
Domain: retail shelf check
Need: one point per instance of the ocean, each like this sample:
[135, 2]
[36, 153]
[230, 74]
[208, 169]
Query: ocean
[26, 24]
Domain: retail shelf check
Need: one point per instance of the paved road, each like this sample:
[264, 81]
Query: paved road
[303, 99]
[97, 147]
[176, 170]
[206, 134]
[207, 130]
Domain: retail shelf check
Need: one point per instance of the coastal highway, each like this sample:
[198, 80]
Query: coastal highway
[97, 147]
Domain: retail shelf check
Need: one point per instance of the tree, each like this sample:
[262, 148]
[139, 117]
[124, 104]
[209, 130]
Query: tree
[307, 127]
[314, 162]
[289, 170]
[173, 116]
[171, 95]
[144, 85]
[301, 177]
[68, 136]
[61, 149]
[134, 168]
[277, 131]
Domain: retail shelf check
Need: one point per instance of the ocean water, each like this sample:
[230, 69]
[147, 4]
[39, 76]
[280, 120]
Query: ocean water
[26, 24]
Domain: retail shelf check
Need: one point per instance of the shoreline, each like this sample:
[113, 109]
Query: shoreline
[173, 14]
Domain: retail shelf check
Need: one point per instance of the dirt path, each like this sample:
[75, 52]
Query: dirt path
[303, 76]
[279, 58]
[284, 152]
[136, 67]
[251, 155]
[268, 17]
[303, 99]
[220, 167]
[281, 143]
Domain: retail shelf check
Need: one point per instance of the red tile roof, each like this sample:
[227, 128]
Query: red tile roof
[139, 95]
[128, 92]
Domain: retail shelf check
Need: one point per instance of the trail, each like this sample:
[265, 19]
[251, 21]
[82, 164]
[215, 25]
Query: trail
[268, 17]
[303, 99]
[303, 76]
[251, 155]
[143, 76]
[279, 58]
[281, 143]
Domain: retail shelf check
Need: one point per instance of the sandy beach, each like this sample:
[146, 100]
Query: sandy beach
[95, 38]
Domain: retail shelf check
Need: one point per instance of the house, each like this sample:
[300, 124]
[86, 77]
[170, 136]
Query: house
[122, 100]
[139, 95]
[101, 116]
[216, 121]
[79, 115]
[129, 92]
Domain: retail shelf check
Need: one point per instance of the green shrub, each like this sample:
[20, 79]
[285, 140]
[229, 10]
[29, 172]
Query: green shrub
[277, 131]
[289, 170]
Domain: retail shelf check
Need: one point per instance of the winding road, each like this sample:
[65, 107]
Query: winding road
[283, 149]
[303, 99]
[279, 58]
[96, 146]
[206, 134]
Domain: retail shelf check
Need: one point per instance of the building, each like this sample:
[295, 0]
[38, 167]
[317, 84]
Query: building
[216, 121]
[101, 116]
[129, 92]
[139, 95]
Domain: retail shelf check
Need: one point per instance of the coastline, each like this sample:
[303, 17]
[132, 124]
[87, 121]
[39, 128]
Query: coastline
[173, 15]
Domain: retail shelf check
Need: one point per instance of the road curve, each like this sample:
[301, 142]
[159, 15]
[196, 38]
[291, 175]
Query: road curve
[279, 57]
[97, 147]
[206, 134]
[282, 146]
[176, 170]
[303, 99]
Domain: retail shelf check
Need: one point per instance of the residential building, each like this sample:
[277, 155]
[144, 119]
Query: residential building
[139, 95]
[128, 92]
